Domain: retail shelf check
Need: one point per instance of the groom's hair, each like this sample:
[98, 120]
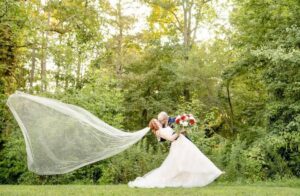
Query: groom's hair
[162, 115]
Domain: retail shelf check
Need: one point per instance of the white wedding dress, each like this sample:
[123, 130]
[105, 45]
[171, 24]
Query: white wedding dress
[185, 166]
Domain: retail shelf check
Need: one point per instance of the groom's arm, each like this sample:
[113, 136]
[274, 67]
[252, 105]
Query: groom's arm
[171, 121]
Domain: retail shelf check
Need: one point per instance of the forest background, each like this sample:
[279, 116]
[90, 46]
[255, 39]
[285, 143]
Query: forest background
[234, 64]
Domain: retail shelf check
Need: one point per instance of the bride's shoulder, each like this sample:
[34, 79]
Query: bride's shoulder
[165, 129]
[161, 130]
[169, 128]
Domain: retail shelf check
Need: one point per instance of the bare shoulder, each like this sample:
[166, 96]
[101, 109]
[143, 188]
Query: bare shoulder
[157, 133]
[160, 131]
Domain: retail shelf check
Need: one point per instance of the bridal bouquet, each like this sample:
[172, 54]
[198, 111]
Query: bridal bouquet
[185, 121]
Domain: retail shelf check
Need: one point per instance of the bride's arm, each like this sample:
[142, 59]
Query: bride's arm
[166, 136]
[181, 131]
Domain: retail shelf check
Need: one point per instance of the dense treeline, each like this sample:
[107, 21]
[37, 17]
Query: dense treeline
[242, 84]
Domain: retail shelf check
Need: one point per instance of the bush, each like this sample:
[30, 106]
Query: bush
[135, 161]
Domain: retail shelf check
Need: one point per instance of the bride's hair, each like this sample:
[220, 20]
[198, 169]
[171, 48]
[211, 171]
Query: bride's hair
[153, 126]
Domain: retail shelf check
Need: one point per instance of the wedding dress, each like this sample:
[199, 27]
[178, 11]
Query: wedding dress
[185, 166]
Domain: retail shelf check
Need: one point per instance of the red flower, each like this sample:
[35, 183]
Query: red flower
[192, 121]
[177, 120]
[183, 117]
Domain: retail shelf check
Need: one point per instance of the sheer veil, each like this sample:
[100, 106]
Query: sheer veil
[61, 137]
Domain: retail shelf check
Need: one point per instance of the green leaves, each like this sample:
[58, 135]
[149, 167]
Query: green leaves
[270, 57]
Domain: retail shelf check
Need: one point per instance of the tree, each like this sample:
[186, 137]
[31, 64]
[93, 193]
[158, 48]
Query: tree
[185, 16]
[267, 65]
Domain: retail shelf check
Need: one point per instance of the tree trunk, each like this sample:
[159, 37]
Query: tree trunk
[119, 64]
[230, 105]
[185, 29]
[43, 67]
[44, 58]
[66, 78]
[78, 71]
[33, 62]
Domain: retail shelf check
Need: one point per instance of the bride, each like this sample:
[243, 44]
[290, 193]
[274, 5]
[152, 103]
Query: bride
[185, 165]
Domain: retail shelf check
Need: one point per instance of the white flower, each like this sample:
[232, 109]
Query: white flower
[185, 123]
[181, 122]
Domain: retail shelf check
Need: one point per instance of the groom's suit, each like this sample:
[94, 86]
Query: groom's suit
[171, 122]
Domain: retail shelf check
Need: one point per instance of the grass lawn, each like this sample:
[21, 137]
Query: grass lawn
[285, 188]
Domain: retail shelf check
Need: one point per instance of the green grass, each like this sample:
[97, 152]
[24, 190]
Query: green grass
[285, 188]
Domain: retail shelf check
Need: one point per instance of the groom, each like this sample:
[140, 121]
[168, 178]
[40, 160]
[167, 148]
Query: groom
[165, 120]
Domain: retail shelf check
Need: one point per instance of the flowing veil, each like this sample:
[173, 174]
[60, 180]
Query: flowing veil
[61, 137]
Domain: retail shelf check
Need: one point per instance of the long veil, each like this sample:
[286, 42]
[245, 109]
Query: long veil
[61, 137]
